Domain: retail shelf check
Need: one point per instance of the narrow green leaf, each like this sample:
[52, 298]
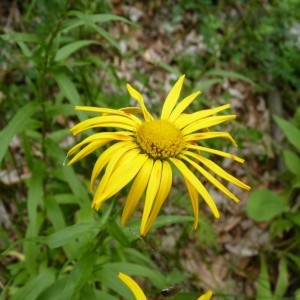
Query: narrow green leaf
[35, 192]
[229, 74]
[21, 37]
[292, 162]
[282, 283]
[296, 184]
[58, 290]
[264, 286]
[68, 234]
[93, 294]
[109, 279]
[297, 116]
[60, 109]
[35, 199]
[56, 217]
[294, 217]
[25, 49]
[95, 18]
[5, 292]
[168, 67]
[71, 48]
[155, 276]
[82, 271]
[116, 232]
[35, 286]
[67, 174]
[103, 18]
[160, 221]
[108, 209]
[15, 126]
[65, 199]
[295, 259]
[68, 88]
[136, 256]
[54, 213]
[59, 135]
[91, 22]
[297, 294]
[167, 220]
[206, 84]
[107, 36]
[62, 289]
[291, 132]
[263, 205]
[69, 286]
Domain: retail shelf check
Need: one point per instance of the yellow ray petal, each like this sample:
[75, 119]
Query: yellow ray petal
[209, 135]
[189, 176]
[110, 155]
[205, 296]
[120, 135]
[137, 190]
[153, 185]
[133, 286]
[218, 170]
[206, 123]
[109, 111]
[163, 192]
[118, 158]
[185, 119]
[182, 106]
[172, 98]
[212, 179]
[111, 167]
[127, 167]
[194, 197]
[139, 98]
[217, 152]
[105, 121]
[88, 150]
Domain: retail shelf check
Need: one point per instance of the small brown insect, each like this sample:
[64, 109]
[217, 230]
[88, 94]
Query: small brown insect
[170, 291]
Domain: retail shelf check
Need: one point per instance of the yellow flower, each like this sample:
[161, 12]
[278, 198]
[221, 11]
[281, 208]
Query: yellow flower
[205, 296]
[133, 286]
[146, 148]
[139, 294]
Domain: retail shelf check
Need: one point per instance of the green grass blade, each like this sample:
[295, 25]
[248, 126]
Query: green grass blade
[35, 286]
[69, 234]
[15, 126]
[91, 22]
[155, 276]
[94, 18]
[109, 278]
[35, 199]
[67, 50]
[21, 37]
[264, 285]
[229, 74]
[117, 233]
[291, 132]
[68, 88]
[282, 283]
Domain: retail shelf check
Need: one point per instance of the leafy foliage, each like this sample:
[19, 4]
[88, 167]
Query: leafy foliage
[60, 54]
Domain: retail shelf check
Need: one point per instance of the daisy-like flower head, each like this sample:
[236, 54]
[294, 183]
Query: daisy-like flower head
[145, 149]
[139, 294]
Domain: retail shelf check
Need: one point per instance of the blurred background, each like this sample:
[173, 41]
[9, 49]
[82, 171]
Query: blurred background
[58, 54]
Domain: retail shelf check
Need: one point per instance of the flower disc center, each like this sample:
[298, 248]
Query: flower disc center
[160, 139]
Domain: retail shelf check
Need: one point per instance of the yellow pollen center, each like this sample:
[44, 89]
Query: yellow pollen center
[160, 139]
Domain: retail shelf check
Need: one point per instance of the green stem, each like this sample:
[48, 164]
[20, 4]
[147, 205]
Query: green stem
[44, 70]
